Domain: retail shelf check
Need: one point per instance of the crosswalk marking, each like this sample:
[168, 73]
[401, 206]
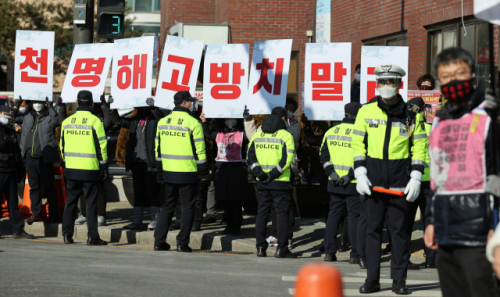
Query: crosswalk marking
[355, 292]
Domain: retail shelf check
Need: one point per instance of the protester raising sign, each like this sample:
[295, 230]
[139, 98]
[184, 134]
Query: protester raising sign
[225, 80]
[327, 80]
[33, 69]
[373, 56]
[88, 70]
[269, 75]
[179, 69]
[132, 71]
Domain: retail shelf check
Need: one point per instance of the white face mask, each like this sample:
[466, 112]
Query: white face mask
[4, 120]
[358, 76]
[387, 92]
[230, 123]
[22, 109]
[38, 106]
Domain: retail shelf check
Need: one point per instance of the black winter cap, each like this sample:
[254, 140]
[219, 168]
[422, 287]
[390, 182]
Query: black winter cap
[182, 96]
[418, 101]
[84, 96]
[280, 111]
[5, 108]
[352, 108]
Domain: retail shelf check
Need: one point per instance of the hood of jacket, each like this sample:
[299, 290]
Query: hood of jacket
[273, 123]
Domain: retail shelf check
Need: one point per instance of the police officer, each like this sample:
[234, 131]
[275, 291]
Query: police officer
[389, 152]
[181, 165]
[11, 171]
[418, 105]
[337, 158]
[83, 147]
[270, 155]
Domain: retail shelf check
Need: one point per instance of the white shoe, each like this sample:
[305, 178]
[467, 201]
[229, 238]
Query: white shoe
[81, 220]
[155, 211]
[101, 221]
[290, 244]
[273, 241]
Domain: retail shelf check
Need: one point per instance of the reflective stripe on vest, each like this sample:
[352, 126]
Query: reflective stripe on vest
[338, 140]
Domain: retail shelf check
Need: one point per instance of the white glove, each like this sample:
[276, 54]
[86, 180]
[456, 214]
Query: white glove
[362, 182]
[413, 188]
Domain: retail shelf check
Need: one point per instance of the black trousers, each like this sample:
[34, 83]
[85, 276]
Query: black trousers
[233, 211]
[8, 186]
[291, 220]
[38, 171]
[74, 189]
[173, 192]
[425, 193]
[101, 201]
[200, 200]
[361, 232]
[281, 201]
[464, 271]
[338, 203]
[378, 206]
[146, 189]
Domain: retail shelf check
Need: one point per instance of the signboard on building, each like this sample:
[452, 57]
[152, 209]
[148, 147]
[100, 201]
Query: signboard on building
[323, 20]
[225, 82]
[34, 64]
[269, 75]
[373, 56]
[88, 70]
[327, 80]
[431, 98]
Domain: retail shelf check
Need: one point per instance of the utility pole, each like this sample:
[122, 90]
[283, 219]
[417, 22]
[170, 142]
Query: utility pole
[83, 24]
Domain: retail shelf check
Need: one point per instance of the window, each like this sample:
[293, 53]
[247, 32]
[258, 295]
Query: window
[390, 40]
[472, 37]
[144, 5]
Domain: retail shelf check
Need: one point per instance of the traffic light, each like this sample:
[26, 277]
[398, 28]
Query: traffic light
[110, 18]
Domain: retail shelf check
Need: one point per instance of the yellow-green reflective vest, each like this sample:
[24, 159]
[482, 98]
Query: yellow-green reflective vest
[338, 139]
[83, 146]
[180, 147]
[427, 173]
[270, 150]
[382, 145]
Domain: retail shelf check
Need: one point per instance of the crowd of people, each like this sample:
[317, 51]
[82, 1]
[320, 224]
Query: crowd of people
[382, 161]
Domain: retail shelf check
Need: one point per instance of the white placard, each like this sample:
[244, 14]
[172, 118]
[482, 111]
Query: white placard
[225, 80]
[34, 65]
[269, 75]
[179, 69]
[132, 71]
[373, 56]
[327, 86]
[488, 10]
[88, 70]
[323, 20]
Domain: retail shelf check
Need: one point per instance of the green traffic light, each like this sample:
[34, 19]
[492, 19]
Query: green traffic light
[117, 25]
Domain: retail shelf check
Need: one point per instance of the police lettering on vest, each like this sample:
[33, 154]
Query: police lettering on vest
[173, 133]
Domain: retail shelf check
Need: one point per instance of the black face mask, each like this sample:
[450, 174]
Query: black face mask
[425, 88]
[458, 91]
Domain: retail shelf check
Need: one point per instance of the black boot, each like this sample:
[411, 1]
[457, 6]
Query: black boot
[330, 258]
[399, 287]
[362, 263]
[370, 286]
[284, 254]
[261, 252]
[229, 227]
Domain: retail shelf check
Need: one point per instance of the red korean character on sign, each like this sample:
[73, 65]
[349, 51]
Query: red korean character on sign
[86, 66]
[41, 61]
[264, 68]
[324, 91]
[221, 75]
[173, 84]
[135, 76]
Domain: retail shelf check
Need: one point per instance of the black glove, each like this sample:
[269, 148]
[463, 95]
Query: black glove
[205, 180]
[104, 104]
[104, 172]
[47, 103]
[159, 175]
[264, 178]
[151, 102]
[18, 103]
[343, 181]
[334, 177]
[246, 115]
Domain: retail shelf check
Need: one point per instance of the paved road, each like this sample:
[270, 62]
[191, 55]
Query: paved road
[46, 267]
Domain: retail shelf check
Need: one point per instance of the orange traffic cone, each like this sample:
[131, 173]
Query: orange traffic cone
[319, 280]
[25, 207]
[4, 208]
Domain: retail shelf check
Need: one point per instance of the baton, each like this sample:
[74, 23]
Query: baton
[387, 191]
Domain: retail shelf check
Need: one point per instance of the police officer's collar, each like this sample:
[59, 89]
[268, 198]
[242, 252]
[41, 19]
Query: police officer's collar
[84, 108]
[349, 120]
[395, 109]
[181, 108]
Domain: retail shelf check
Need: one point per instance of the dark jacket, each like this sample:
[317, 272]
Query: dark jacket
[10, 153]
[38, 134]
[131, 124]
[355, 91]
[464, 219]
